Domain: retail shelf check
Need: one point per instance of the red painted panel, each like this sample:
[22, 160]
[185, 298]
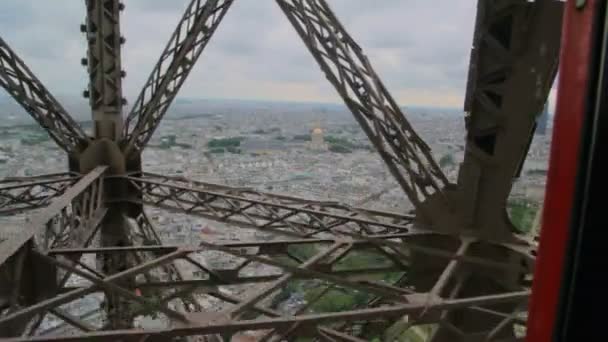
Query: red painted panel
[570, 110]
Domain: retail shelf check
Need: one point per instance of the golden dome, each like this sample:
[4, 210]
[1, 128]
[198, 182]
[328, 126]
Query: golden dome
[317, 131]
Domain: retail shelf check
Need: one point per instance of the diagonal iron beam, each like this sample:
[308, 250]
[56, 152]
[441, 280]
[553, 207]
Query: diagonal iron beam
[192, 34]
[270, 248]
[279, 247]
[304, 272]
[17, 79]
[66, 222]
[67, 297]
[109, 286]
[78, 238]
[255, 297]
[74, 321]
[337, 336]
[218, 323]
[407, 156]
[150, 237]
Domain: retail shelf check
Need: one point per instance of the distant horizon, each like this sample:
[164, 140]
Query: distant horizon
[181, 100]
[337, 103]
[244, 99]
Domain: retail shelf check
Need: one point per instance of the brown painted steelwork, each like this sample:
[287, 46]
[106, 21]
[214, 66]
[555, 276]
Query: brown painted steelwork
[248, 208]
[327, 268]
[17, 79]
[26, 193]
[190, 38]
[408, 157]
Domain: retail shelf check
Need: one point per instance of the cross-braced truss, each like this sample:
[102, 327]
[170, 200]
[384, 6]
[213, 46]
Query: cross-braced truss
[451, 272]
[20, 194]
[17, 79]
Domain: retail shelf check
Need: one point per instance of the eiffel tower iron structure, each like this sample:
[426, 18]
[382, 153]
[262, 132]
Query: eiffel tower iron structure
[457, 266]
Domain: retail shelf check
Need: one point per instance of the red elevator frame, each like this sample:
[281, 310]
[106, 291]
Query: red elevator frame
[580, 66]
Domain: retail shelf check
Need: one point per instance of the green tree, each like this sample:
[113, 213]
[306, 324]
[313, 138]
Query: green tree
[302, 137]
[224, 142]
[522, 212]
[339, 149]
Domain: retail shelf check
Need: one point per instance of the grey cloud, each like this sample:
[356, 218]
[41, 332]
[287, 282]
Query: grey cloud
[415, 45]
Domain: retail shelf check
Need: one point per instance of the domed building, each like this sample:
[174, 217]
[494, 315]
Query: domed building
[317, 142]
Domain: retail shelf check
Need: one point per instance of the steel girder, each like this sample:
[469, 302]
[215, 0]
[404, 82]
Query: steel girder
[144, 233]
[17, 79]
[67, 211]
[192, 34]
[534, 35]
[513, 64]
[70, 221]
[274, 213]
[104, 42]
[20, 194]
[437, 273]
[407, 156]
[325, 264]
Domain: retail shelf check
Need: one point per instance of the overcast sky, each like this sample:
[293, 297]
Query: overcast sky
[420, 48]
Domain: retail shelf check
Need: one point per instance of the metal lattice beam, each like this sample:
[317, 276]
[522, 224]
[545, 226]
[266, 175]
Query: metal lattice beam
[18, 194]
[105, 93]
[104, 42]
[17, 79]
[61, 211]
[407, 156]
[267, 212]
[192, 34]
[68, 222]
[433, 268]
[326, 266]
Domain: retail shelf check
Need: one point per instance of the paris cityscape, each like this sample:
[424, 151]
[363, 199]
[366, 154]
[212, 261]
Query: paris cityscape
[315, 150]
[273, 147]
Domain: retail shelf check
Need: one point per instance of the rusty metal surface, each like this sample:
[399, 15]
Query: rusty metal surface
[20, 83]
